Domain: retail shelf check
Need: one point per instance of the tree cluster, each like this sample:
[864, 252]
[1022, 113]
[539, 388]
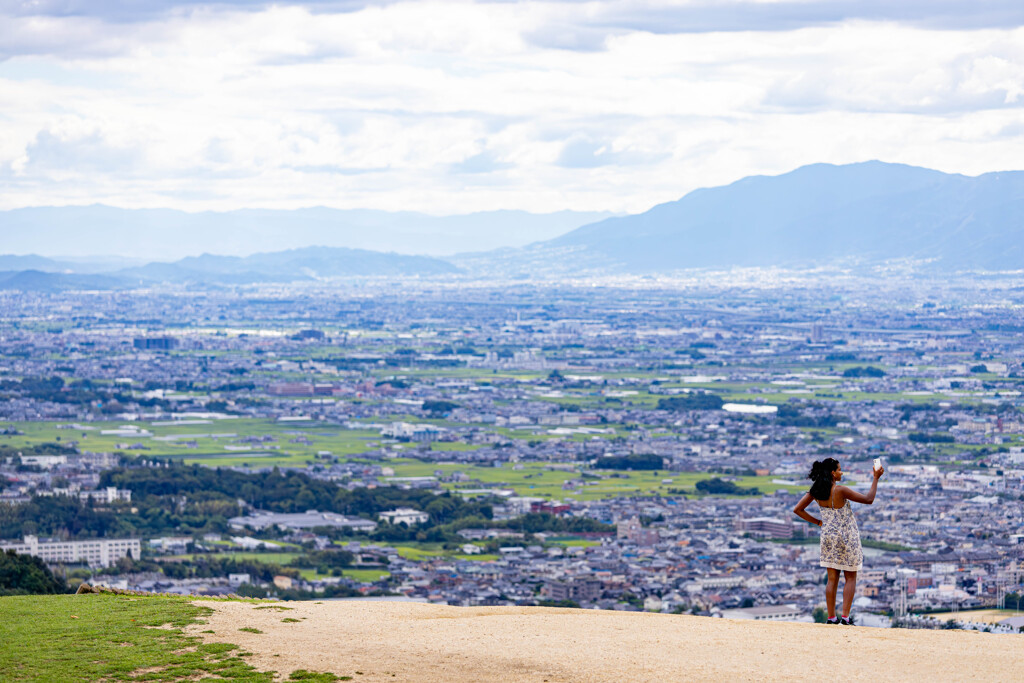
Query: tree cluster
[864, 371]
[190, 499]
[718, 486]
[924, 437]
[27, 575]
[701, 401]
[645, 461]
[790, 416]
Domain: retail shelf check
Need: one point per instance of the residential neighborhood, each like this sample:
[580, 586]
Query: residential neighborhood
[679, 426]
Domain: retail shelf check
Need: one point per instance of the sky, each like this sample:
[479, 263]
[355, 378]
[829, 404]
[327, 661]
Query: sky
[451, 107]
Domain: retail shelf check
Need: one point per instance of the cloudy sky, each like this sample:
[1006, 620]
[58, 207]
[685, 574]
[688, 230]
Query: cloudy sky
[457, 106]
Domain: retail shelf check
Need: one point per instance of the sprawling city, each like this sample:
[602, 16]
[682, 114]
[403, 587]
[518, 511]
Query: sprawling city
[632, 444]
[511, 341]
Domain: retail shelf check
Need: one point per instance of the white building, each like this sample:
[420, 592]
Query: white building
[107, 495]
[44, 461]
[310, 519]
[420, 433]
[407, 515]
[97, 552]
[767, 613]
[171, 544]
[238, 579]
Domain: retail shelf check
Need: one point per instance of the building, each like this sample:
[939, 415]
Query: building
[632, 531]
[155, 343]
[419, 433]
[238, 579]
[44, 461]
[406, 515]
[767, 613]
[549, 507]
[110, 494]
[291, 389]
[170, 544]
[577, 589]
[97, 552]
[767, 527]
[412, 482]
[302, 520]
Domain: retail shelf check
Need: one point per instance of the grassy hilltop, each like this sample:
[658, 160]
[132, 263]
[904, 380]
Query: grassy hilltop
[116, 638]
[156, 638]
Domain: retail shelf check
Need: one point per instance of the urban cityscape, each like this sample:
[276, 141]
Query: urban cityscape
[628, 444]
[511, 341]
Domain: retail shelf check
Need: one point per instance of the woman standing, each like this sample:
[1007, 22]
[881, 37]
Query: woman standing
[840, 540]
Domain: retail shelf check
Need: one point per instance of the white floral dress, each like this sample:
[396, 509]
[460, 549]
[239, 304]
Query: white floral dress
[840, 539]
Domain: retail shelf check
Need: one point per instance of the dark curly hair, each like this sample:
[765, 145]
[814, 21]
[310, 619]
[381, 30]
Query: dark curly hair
[821, 475]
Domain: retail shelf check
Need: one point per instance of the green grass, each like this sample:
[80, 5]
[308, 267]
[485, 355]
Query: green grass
[110, 638]
[308, 573]
[574, 543]
[367, 575]
[533, 479]
[316, 677]
[429, 551]
[265, 558]
[311, 574]
[210, 444]
[883, 545]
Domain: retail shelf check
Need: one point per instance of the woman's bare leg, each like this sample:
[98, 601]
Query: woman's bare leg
[830, 591]
[848, 590]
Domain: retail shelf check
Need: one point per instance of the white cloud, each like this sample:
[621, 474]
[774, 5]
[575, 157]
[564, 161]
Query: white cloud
[448, 106]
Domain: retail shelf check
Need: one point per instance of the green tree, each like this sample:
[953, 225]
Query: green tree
[718, 486]
[701, 401]
[27, 575]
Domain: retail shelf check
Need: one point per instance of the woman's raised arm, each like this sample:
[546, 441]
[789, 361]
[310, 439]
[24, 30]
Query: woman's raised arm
[864, 498]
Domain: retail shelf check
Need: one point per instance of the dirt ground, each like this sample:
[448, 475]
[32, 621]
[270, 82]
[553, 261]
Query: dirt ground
[391, 641]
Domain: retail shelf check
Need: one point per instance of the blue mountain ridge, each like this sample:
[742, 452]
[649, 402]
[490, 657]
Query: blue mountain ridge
[820, 214]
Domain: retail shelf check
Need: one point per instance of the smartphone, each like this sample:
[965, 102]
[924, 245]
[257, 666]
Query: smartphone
[877, 463]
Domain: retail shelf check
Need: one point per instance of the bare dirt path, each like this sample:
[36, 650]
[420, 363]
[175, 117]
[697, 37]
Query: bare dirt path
[388, 641]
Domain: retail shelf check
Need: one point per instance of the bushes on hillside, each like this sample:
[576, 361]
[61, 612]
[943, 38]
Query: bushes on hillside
[27, 575]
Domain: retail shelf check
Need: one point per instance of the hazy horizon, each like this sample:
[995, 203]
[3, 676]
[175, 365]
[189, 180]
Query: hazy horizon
[820, 214]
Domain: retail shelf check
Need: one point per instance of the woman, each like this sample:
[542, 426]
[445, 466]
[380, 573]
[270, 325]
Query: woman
[840, 540]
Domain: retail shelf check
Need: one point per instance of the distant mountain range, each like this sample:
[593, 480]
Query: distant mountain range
[820, 215]
[309, 264]
[39, 281]
[143, 233]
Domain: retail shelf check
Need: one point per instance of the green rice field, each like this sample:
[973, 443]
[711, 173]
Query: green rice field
[210, 442]
[538, 479]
